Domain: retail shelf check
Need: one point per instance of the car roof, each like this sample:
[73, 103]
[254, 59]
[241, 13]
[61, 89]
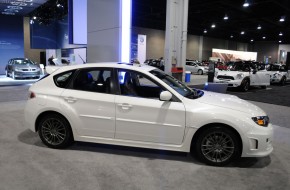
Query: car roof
[137, 67]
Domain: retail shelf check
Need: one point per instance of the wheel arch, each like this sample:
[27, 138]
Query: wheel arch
[205, 127]
[40, 116]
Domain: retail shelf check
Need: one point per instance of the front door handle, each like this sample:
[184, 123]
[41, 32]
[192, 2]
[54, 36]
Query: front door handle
[70, 99]
[125, 106]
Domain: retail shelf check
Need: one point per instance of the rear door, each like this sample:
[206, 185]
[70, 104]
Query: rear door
[89, 102]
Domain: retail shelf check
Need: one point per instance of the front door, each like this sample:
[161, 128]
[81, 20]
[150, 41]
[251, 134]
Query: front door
[141, 116]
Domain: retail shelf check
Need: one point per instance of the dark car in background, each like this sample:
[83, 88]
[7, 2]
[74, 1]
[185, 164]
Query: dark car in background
[22, 68]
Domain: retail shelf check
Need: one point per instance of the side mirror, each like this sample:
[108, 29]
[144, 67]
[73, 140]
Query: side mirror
[165, 96]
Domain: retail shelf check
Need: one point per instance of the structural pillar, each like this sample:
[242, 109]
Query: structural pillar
[176, 34]
[109, 30]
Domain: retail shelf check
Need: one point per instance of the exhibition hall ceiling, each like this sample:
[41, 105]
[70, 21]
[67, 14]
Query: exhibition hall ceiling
[261, 20]
[19, 7]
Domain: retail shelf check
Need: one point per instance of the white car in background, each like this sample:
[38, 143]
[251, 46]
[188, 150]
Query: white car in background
[279, 74]
[243, 75]
[141, 106]
[196, 67]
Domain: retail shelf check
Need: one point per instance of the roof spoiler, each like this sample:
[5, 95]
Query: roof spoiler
[50, 69]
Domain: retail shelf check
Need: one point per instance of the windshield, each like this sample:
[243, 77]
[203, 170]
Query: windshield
[175, 84]
[23, 62]
[241, 67]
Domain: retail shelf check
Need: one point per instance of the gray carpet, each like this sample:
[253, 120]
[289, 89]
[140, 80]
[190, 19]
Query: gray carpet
[27, 164]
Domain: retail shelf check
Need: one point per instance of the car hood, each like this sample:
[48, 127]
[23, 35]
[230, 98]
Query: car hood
[232, 73]
[231, 102]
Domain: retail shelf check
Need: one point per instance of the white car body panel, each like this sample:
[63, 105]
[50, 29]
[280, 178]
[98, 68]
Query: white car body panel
[105, 118]
[260, 78]
[194, 68]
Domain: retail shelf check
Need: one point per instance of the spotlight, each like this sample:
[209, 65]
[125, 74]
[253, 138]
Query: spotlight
[34, 18]
[226, 17]
[259, 27]
[252, 40]
[213, 25]
[282, 19]
[246, 4]
[280, 34]
[264, 37]
[231, 36]
[280, 41]
[205, 31]
[242, 32]
[59, 5]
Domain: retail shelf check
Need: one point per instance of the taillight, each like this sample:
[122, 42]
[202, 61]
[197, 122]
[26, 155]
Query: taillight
[32, 95]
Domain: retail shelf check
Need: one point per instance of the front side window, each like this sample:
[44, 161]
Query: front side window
[94, 80]
[138, 85]
[177, 85]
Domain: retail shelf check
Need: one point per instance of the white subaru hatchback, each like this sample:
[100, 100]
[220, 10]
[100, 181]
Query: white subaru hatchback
[142, 106]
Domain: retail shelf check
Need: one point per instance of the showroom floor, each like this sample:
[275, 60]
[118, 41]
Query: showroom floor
[27, 164]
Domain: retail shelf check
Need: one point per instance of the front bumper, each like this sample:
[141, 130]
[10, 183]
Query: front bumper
[18, 74]
[258, 142]
[231, 83]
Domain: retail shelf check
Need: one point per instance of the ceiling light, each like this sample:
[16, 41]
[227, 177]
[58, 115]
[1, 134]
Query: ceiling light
[8, 13]
[259, 27]
[226, 17]
[231, 36]
[264, 37]
[205, 31]
[242, 32]
[34, 18]
[280, 41]
[246, 4]
[252, 40]
[213, 25]
[59, 6]
[280, 34]
[282, 19]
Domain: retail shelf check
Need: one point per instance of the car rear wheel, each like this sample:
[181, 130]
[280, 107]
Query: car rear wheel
[218, 146]
[55, 131]
[200, 72]
[245, 85]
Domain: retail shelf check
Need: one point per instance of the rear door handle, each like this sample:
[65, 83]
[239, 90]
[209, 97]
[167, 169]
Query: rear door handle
[70, 99]
[125, 106]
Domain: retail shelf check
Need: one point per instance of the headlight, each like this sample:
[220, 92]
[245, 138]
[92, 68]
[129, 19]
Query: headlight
[17, 69]
[240, 76]
[277, 75]
[261, 120]
[216, 74]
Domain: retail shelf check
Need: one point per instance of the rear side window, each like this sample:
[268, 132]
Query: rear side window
[61, 80]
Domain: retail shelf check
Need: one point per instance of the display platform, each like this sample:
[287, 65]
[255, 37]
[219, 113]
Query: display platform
[7, 81]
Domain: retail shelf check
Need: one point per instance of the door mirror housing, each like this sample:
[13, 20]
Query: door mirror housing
[165, 96]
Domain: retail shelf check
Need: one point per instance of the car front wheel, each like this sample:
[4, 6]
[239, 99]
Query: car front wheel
[245, 85]
[218, 146]
[55, 131]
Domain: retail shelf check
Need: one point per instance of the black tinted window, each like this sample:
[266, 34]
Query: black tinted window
[94, 80]
[62, 80]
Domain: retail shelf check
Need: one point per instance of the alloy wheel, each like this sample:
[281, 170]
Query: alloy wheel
[53, 131]
[217, 147]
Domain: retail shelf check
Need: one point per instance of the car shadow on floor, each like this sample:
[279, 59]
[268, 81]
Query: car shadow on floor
[31, 138]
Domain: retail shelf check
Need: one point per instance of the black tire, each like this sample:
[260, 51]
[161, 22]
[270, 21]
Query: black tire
[245, 85]
[200, 72]
[264, 87]
[55, 131]
[283, 81]
[217, 146]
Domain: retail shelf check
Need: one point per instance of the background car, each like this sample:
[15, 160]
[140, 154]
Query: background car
[22, 68]
[243, 75]
[196, 67]
[279, 73]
